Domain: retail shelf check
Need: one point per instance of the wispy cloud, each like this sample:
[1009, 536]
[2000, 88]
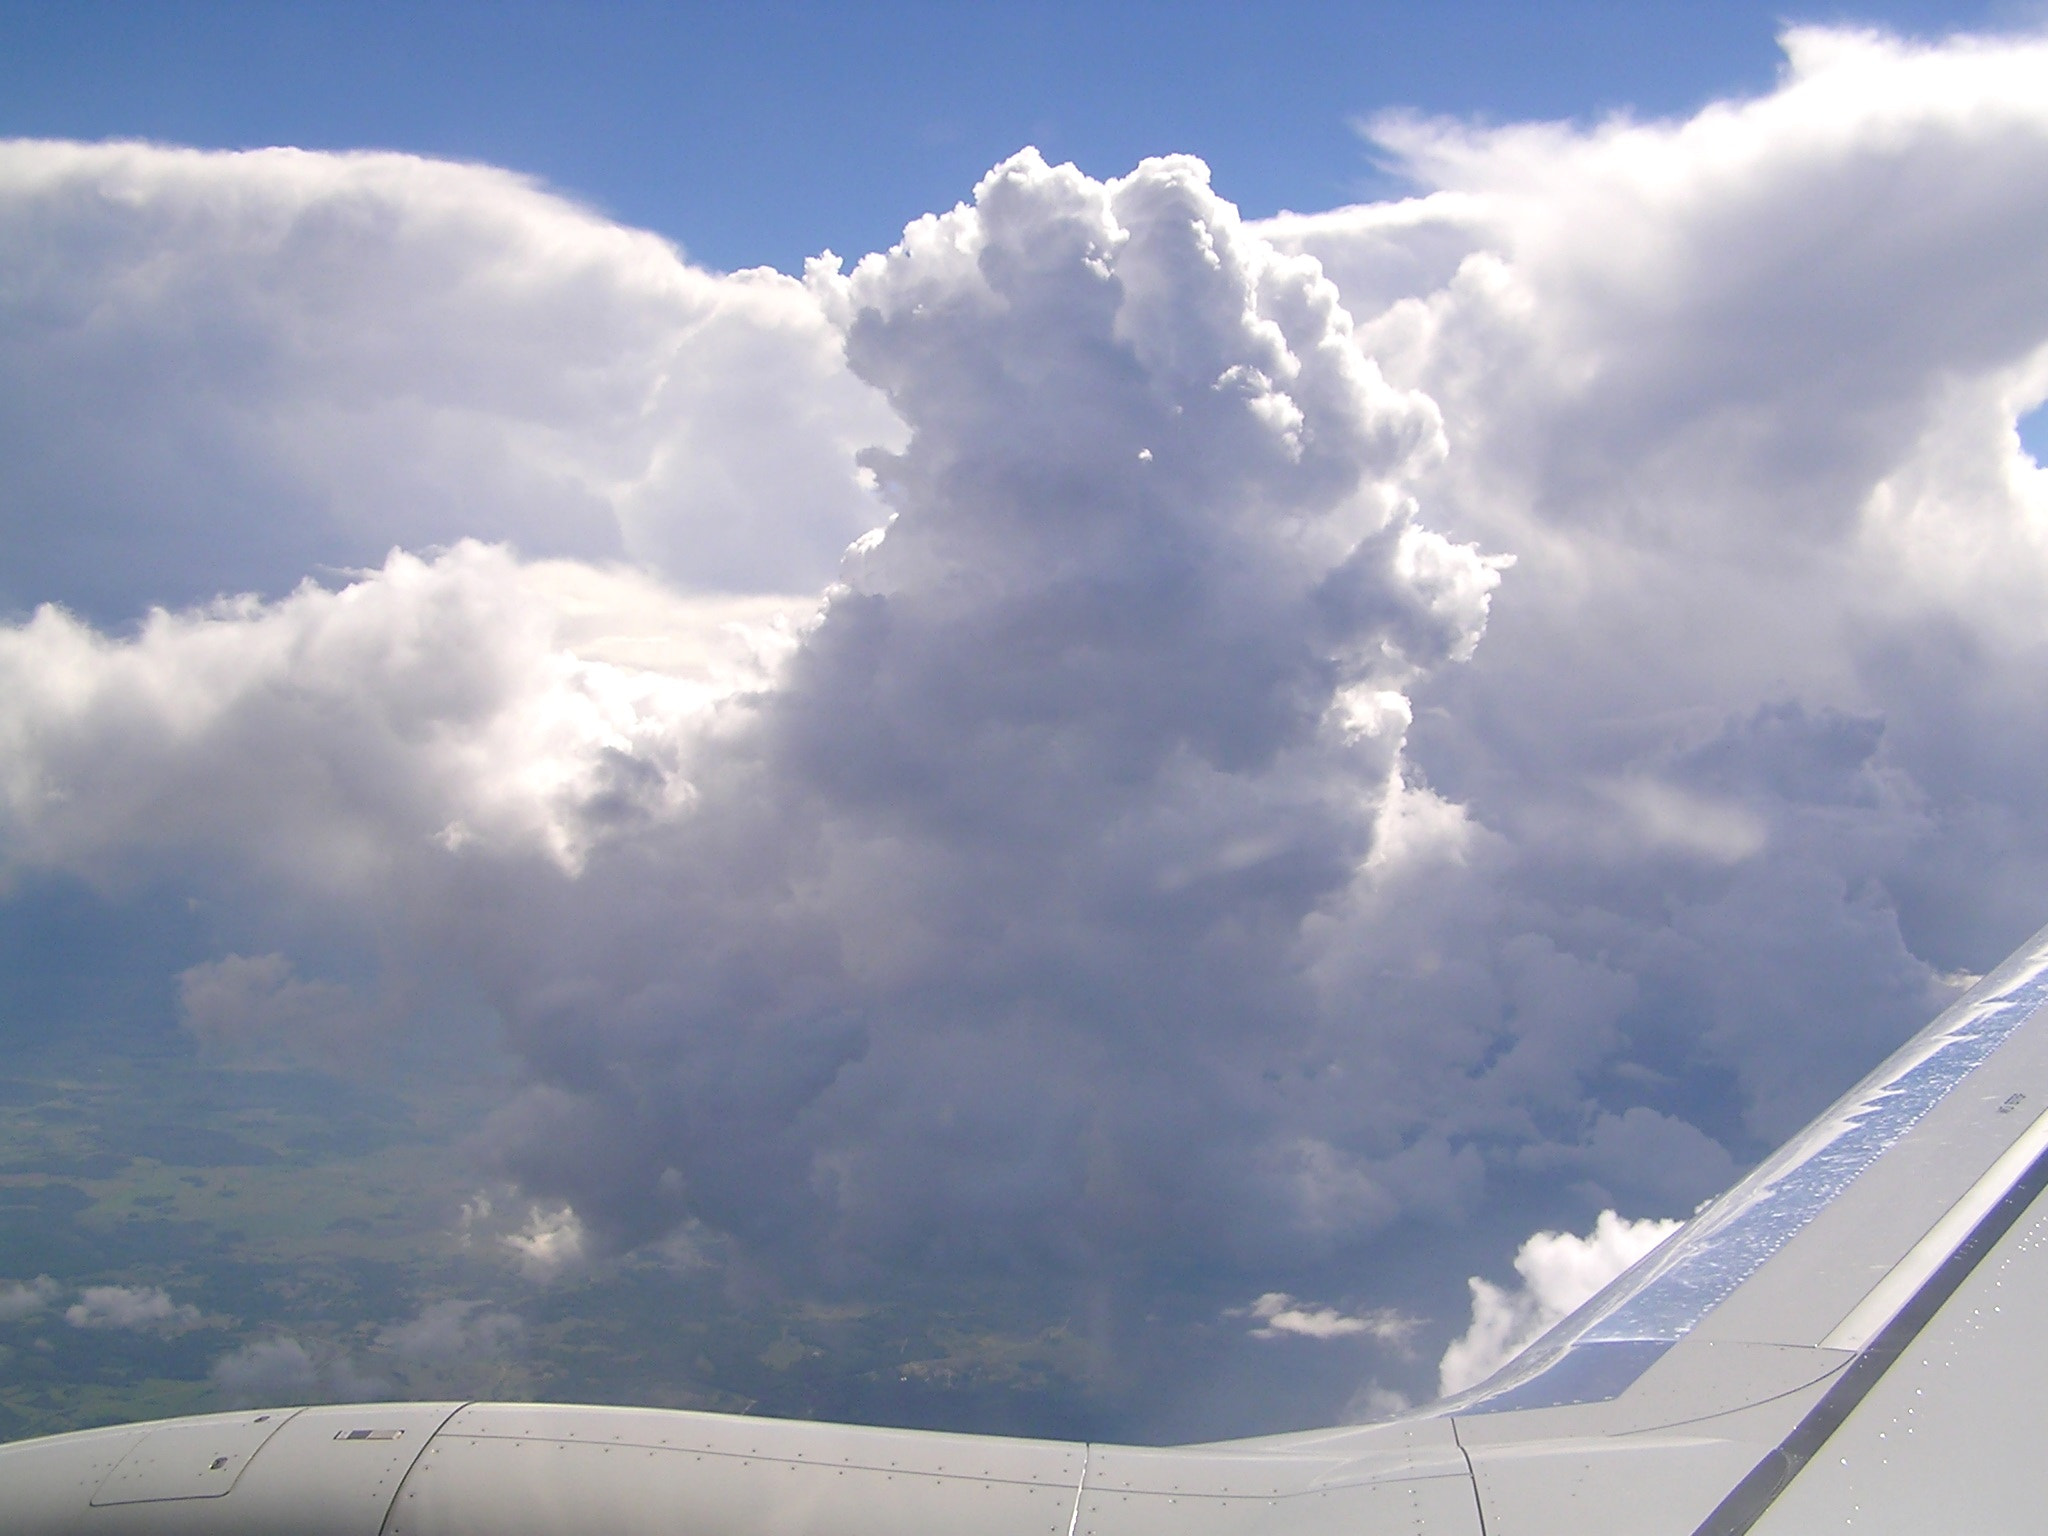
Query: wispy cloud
[1277, 1314]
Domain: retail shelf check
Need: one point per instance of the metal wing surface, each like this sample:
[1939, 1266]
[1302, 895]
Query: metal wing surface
[1851, 1338]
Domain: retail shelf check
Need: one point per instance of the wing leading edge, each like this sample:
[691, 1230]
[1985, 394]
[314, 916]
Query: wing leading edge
[1850, 1336]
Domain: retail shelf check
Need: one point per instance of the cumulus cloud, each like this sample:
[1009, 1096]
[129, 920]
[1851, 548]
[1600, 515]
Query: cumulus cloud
[1037, 809]
[253, 1008]
[1747, 752]
[1373, 1403]
[450, 1329]
[25, 1298]
[785, 918]
[238, 369]
[337, 739]
[449, 1347]
[1277, 1314]
[277, 1370]
[283, 1371]
[1320, 731]
[131, 1306]
[550, 1243]
[1559, 1273]
[543, 1242]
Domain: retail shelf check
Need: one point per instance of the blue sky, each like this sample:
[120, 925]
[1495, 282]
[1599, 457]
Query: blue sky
[762, 133]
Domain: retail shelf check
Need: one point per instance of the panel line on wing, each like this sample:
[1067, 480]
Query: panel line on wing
[1732, 1242]
[1746, 1503]
[1905, 1278]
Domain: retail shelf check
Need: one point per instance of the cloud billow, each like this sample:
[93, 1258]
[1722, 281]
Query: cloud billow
[1435, 718]
[130, 1306]
[1747, 730]
[231, 372]
[998, 894]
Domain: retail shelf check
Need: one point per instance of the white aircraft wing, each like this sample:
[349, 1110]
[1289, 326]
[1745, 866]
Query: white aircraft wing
[1854, 1337]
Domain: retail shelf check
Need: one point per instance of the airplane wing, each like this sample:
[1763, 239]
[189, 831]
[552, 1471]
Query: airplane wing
[1854, 1337]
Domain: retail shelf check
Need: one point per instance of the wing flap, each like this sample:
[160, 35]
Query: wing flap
[1831, 1230]
[1949, 1437]
[1779, 1335]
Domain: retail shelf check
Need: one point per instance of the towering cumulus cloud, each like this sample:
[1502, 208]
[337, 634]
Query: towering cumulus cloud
[984, 931]
[1752, 734]
[963, 913]
[1157, 755]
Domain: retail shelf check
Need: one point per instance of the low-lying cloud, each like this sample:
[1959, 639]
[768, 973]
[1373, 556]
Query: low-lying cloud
[1327, 740]
[453, 1346]
[1278, 1315]
[25, 1298]
[142, 1307]
[282, 1371]
[450, 1329]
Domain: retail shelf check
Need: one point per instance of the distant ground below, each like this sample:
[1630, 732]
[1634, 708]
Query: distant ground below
[279, 1235]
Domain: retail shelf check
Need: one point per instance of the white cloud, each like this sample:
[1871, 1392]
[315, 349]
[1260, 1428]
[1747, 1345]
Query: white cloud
[130, 1306]
[282, 1371]
[551, 1243]
[451, 1329]
[25, 1298]
[1277, 1314]
[1559, 1273]
[255, 1008]
[239, 368]
[1373, 1403]
[1663, 816]
[470, 1339]
[462, 702]
[1752, 724]
[1076, 716]
[1178, 842]
[279, 1370]
[544, 1242]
